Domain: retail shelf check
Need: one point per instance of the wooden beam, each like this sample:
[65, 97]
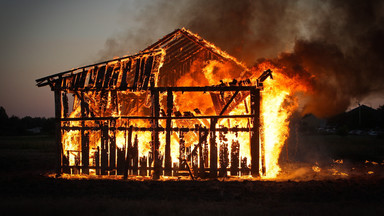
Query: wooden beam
[143, 129]
[100, 78]
[155, 134]
[223, 155]
[229, 102]
[181, 151]
[162, 117]
[147, 72]
[97, 160]
[203, 134]
[59, 147]
[213, 148]
[85, 152]
[112, 146]
[168, 159]
[84, 138]
[128, 154]
[255, 130]
[104, 148]
[48, 79]
[126, 68]
[65, 105]
[120, 160]
[135, 156]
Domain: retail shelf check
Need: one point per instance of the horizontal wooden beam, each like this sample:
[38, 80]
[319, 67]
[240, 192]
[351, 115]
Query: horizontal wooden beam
[162, 89]
[162, 117]
[143, 129]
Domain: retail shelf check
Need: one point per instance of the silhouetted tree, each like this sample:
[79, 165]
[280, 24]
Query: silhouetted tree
[13, 126]
[3, 114]
[381, 111]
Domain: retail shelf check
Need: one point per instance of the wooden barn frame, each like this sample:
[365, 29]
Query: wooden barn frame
[144, 80]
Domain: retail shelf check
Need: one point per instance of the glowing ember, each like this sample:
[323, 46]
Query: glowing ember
[316, 168]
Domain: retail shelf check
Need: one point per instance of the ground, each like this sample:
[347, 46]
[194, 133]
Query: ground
[26, 189]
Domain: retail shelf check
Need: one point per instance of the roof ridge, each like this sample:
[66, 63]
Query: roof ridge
[212, 47]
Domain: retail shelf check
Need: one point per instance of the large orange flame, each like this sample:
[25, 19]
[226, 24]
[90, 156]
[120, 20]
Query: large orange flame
[278, 103]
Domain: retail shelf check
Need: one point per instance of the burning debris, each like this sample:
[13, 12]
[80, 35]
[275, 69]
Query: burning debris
[181, 107]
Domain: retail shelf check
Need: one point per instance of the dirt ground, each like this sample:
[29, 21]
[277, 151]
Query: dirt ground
[26, 189]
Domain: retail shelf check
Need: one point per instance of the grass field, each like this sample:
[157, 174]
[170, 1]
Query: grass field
[29, 154]
[24, 188]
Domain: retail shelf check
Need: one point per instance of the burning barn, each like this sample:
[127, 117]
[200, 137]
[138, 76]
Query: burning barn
[179, 107]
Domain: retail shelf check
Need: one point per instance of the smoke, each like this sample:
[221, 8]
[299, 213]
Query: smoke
[336, 46]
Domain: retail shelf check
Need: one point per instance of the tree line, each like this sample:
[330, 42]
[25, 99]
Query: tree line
[15, 126]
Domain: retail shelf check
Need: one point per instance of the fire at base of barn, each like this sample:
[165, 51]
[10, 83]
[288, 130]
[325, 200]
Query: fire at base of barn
[181, 107]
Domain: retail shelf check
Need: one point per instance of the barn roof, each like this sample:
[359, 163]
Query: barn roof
[134, 72]
[182, 44]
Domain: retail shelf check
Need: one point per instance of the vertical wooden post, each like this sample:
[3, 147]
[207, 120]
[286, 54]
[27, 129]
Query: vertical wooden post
[182, 165]
[155, 133]
[104, 148]
[84, 138]
[143, 166]
[195, 161]
[202, 142]
[223, 155]
[112, 146]
[85, 152]
[213, 149]
[168, 159]
[97, 160]
[254, 130]
[244, 166]
[235, 152]
[120, 160]
[58, 131]
[135, 156]
[65, 105]
[128, 154]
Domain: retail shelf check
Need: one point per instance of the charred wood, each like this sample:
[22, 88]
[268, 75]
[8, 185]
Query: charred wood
[104, 149]
[235, 153]
[112, 146]
[213, 149]
[244, 167]
[85, 152]
[255, 136]
[100, 77]
[224, 155]
[97, 160]
[143, 166]
[59, 145]
[168, 159]
[135, 156]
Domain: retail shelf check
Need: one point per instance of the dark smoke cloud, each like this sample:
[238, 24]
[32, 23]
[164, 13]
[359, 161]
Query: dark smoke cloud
[335, 45]
[345, 55]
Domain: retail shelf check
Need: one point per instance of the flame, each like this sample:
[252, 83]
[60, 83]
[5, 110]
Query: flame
[277, 105]
[316, 168]
[336, 172]
[279, 101]
[338, 161]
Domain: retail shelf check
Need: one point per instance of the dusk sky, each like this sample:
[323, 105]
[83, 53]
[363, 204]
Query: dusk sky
[43, 37]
